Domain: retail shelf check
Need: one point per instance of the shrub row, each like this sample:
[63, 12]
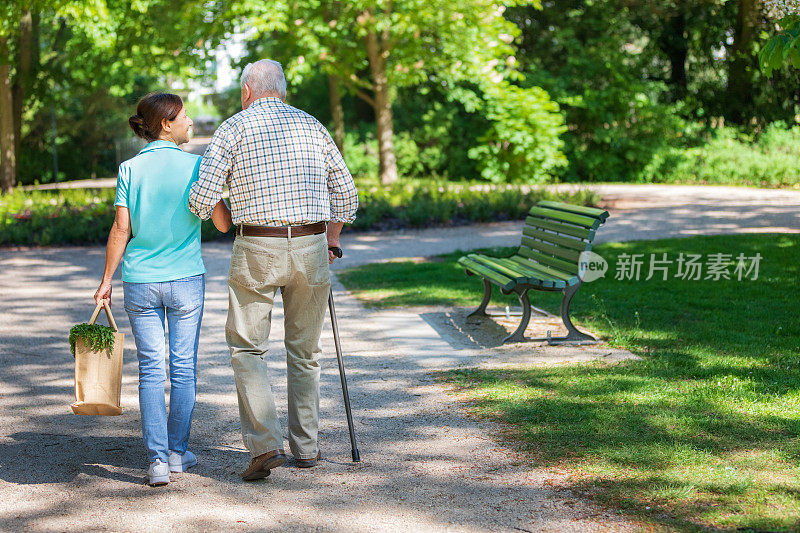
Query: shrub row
[729, 157]
[84, 216]
[422, 204]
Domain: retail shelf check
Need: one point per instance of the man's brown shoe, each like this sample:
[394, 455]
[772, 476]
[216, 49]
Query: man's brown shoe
[308, 463]
[260, 466]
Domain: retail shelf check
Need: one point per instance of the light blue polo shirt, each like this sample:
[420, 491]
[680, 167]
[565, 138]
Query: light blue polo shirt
[154, 186]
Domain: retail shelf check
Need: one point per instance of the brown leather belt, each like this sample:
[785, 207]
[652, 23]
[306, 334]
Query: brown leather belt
[281, 231]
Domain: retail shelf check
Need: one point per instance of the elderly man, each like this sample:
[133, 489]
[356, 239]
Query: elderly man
[287, 180]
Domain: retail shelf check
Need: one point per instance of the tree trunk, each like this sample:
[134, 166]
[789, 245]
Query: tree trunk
[742, 60]
[336, 112]
[8, 167]
[22, 82]
[383, 111]
[675, 44]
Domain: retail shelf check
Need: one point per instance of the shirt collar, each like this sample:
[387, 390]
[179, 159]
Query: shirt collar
[266, 101]
[156, 145]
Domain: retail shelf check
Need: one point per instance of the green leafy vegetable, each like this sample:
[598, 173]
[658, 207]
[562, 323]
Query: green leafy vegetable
[96, 337]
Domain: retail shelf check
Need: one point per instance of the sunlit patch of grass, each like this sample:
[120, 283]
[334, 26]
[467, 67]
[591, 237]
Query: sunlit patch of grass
[702, 431]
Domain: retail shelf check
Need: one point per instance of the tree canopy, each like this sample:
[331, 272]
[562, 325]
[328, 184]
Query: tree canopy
[784, 47]
[525, 90]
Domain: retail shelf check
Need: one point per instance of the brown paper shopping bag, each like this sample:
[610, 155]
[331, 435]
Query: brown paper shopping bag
[98, 374]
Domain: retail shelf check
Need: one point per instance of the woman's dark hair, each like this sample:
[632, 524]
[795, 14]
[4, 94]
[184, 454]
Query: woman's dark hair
[151, 111]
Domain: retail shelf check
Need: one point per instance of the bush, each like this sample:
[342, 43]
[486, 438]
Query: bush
[444, 125]
[66, 216]
[620, 131]
[733, 158]
[84, 216]
[73, 216]
[362, 156]
[422, 203]
[507, 134]
[523, 142]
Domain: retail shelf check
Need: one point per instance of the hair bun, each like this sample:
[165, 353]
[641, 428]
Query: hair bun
[151, 111]
[136, 122]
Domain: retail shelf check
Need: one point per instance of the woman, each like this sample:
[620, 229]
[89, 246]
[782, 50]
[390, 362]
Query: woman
[163, 275]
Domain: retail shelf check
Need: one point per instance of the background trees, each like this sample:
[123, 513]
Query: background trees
[373, 48]
[465, 89]
[74, 68]
[20, 52]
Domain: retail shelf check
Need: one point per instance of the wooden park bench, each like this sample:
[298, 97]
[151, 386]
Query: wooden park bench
[553, 238]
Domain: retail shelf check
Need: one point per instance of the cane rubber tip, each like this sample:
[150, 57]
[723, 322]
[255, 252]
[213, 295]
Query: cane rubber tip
[356, 457]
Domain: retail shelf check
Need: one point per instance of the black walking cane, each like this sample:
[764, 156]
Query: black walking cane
[356, 457]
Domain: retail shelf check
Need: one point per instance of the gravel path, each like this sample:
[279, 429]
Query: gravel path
[426, 466]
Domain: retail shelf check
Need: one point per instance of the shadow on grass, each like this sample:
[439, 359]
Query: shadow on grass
[621, 428]
[703, 430]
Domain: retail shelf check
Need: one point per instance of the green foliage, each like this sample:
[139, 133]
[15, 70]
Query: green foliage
[361, 156]
[228, 102]
[423, 39]
[65, 216]
[620, 131]
[437, 203]
[633, 78]
[494, 140]
[593, 61]
[782, 48]
[373, 49]
[76, 216]
[730, 157]
[96, 337]
[522, 144]
[92, 62]
[443, 127]
[630, 79]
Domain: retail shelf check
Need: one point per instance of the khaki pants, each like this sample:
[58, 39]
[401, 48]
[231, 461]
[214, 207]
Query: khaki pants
[299, 267]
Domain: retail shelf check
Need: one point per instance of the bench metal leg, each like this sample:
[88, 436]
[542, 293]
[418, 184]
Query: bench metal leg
[487, 295]
[519, 333]
[573, 335]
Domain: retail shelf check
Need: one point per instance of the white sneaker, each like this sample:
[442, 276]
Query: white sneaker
[181, 463]
[159, 473]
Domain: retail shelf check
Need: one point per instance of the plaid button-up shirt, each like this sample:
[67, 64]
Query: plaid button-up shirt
[282, 168]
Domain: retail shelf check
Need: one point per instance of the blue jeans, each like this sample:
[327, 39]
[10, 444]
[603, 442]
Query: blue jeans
[148, 304]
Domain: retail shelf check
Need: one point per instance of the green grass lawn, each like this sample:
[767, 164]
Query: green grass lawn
[704, 430]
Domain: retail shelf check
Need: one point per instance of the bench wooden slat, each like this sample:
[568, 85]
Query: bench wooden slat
[568, 277]
[564, 216]
[516, 269]
[558, 251]
[492, 262]
[599, 214]
[534, 273]
[492, 275]
[565, 229]
[569, 242]
[548, 260]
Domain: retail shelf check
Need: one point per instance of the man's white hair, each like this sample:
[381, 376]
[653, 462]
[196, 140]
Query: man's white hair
[264, 76]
